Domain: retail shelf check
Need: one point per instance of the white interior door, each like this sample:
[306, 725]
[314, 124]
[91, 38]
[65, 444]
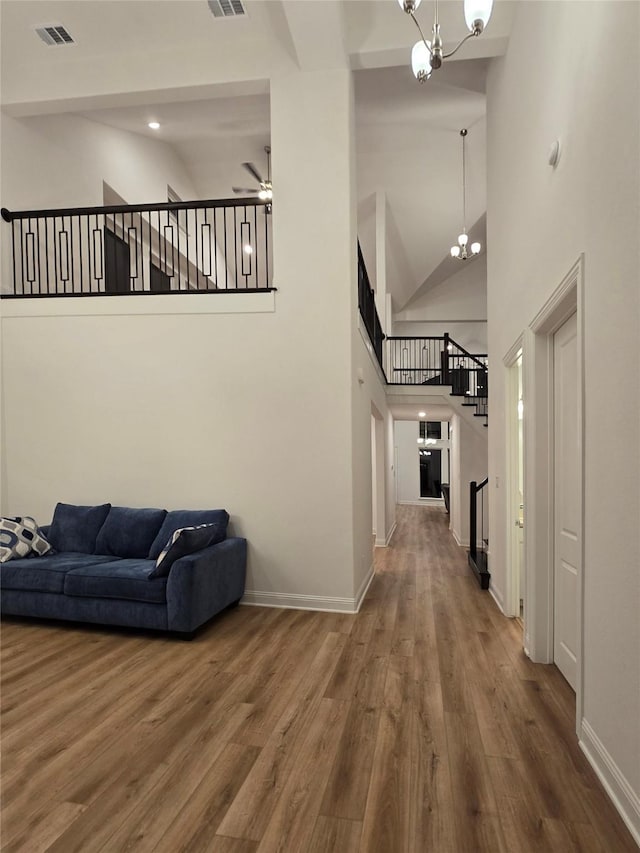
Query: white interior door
[567, 499]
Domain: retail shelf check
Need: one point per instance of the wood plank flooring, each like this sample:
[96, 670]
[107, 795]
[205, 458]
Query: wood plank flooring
[417, 725]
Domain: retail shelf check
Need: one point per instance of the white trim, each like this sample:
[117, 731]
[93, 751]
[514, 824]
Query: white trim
[141, 304]
[364, 588]
[257, 598]
[367, 342]
[620, 792]
[565, 300]
[423, 502]
[515, 350]
[463, 543]
[389, 535]
[513, 593]
[497, 597]
[384, 543]
[560, 305]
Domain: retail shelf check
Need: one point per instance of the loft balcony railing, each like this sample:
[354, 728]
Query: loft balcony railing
[439, 360]
[368, 310]
[214, 246]
[436, 360]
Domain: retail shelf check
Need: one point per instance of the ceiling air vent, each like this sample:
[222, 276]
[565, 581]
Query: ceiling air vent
[54, 35]
[226, 8]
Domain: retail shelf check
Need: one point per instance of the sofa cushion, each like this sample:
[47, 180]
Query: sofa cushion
[43, 574]
[124, 579]
[129, 532]
[20, 537]
[179, 518]
[186, 540]
[75, 528]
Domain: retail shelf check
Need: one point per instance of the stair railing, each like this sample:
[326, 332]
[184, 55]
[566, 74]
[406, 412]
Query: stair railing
[368, 310]
[479, 532]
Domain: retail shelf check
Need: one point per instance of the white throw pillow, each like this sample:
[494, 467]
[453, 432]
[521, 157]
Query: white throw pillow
[19, 537]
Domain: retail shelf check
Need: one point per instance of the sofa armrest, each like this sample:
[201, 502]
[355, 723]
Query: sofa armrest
[204, 583]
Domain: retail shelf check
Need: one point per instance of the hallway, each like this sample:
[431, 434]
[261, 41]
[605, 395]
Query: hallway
[417, 725]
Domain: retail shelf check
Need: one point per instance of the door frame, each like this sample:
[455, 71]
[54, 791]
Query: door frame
[538, 386]
[512, 584]
[377, 449]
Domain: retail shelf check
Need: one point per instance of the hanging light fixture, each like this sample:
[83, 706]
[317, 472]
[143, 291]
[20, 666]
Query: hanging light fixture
[427, 56]
[460, 251]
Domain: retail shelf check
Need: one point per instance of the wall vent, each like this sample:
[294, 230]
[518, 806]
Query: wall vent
[55, 35]
[226, 8]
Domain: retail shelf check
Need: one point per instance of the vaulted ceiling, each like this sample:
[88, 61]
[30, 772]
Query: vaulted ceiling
[205, 80]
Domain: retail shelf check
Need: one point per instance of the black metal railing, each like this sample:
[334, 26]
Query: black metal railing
[436, 360]
[439, 360]
[417, 361]
[479, 532]
[466, 373]
[199, 246]
[368, 310]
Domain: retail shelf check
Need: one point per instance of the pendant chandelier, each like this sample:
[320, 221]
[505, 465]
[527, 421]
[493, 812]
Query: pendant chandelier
[460, 251]
[427, 56]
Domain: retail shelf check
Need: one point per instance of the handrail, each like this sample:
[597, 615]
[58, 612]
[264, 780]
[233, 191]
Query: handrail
[368, 310]
[478, 559]
[14, 215]
[466, 353]
[212, 246]
[415, 337]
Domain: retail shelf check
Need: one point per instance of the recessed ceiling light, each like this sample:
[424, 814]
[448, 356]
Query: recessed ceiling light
[154, 125]
[422, 414]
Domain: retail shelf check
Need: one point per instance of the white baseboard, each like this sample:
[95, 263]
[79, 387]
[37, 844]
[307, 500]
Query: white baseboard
[257, 598]
[463, 543]
[364, 586]
[497, 597]
[384, 543]
[620, 792]
[424, 502]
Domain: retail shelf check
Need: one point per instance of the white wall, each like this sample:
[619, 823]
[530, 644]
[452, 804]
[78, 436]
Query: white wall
[471, 336]
[468, 463]
[253, 412]
[367, 390]
[539, 222]
[461, 296]
[63, 160]
[408, 473]
[457, 305]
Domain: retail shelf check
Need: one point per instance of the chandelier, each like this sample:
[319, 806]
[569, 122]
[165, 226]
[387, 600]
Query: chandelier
[460, 251]
[426, 55]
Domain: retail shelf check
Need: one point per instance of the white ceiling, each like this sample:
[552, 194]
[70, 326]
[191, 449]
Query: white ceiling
[206, 82]
[409, 412]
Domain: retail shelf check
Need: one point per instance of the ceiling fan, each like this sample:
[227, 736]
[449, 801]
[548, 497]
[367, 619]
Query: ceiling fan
[265, 191]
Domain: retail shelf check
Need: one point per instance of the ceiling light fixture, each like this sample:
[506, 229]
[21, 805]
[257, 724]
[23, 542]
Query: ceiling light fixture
[460, 251]
[154, 125]
[427, 56]
[422, 414]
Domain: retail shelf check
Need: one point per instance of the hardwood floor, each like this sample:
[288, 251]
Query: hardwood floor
[417, 725]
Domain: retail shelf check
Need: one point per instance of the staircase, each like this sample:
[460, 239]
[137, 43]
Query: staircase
[468, 376]
[440, 361]
[478, 532]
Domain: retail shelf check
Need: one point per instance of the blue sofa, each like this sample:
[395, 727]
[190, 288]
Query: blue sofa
[102, 569]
